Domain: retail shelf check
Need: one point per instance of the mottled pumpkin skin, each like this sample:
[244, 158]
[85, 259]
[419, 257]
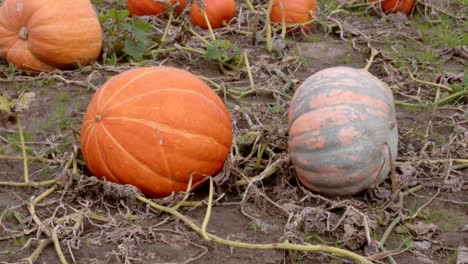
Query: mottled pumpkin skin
[295, 11]
[218, 12]
[154, 127]
[42, 35]
[394, 6]
[341, 120]
[153, 8]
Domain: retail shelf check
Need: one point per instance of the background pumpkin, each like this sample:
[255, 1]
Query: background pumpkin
[151, 7]
[394, 6]
[295, 11]
[218, 12]
[341, 120]
[153, 127]
[41, 35]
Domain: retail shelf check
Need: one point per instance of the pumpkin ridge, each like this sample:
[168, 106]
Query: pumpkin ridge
[297, 112]
[104, 163]
[127, 84]
[28, 51]
[165, 128]
[87, 141]
[139, 162]
[91, 127]
[320, 179]
[360, 86]
[168, 89]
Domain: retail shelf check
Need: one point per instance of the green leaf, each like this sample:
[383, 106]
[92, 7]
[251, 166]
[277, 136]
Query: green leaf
[5, 104]
[213, 53]
[18, 217]
[217, 50]
[144, 26]
[224, 44]
[118, 15]
[22, 103]
[134, 49]
[138, 30]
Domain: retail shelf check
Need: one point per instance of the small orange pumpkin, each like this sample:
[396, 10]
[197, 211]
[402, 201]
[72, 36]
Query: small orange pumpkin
[152, 7]
[218, 12]
[394, 6]
[154, 128]
[41, 35]
[294, 11]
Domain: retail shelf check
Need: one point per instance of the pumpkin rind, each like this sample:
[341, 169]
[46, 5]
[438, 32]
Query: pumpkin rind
[153, 8]
[394, 6]
[153, 127]
[218, 12]
[42, 39]
[295, 11]
[342, 125]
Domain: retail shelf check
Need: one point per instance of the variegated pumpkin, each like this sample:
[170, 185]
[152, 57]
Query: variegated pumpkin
[343, 131]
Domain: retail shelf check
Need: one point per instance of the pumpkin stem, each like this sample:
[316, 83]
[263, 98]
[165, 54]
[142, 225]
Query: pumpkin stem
[23, 33]
[393, 176]
[374, 52]
[98, 118]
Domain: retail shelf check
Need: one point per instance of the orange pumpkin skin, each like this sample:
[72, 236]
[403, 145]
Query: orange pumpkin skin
[153, 8]
[62, 35]
[295, 11]
[394, 6]
[154, 127]
[342, 125]
[218, 12]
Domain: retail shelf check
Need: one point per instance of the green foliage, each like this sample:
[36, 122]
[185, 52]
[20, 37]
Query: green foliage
[125, 36]
[222, 50]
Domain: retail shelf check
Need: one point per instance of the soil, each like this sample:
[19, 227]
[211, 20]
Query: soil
[274, 210]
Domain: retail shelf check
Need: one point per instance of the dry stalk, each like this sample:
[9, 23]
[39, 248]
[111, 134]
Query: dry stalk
[284, 246]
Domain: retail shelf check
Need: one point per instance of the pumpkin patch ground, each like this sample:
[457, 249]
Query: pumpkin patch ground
[256, 198]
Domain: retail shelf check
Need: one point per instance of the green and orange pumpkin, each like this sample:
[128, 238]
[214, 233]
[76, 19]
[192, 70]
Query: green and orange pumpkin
[155, 128]
[343, 131]
[43, 35]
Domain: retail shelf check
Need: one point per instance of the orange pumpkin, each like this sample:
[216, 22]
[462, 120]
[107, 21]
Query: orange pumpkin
[152, 7]
[343, 131]
[394, 6]
[294, 11]
[41, 35]
[218, 12]
[154, 127]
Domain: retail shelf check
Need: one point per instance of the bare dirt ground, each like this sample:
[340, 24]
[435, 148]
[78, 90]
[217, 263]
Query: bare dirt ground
[422, 57]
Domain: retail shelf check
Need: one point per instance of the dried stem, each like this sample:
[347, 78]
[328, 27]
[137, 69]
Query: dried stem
[249, 5]
[30, 184]
[249, 71]
[374, 52]
[57, 246]
[268, 26]
[284, 246]
[208, 211]
[283, 22]
[166, 29]
[207, 20]
[37, 252]
[23, 149]
[429, 83]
